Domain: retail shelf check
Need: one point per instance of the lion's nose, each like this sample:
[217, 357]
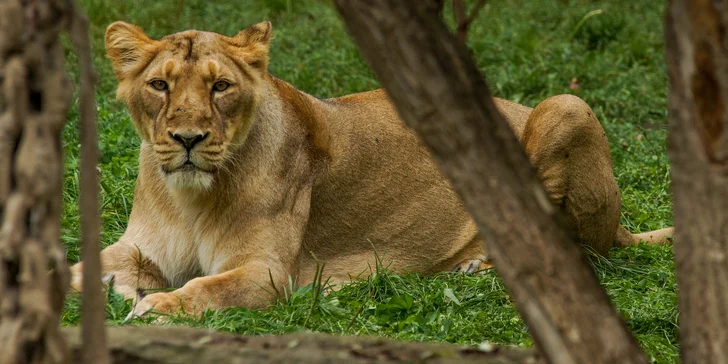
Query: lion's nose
[188, 138]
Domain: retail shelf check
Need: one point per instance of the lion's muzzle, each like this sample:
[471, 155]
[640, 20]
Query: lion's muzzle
[188, 138]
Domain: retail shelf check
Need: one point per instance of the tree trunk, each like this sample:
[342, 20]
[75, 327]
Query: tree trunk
[439, 93]
[34, 99]
[697, 57]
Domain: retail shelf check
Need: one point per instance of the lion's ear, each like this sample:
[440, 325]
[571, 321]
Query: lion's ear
[255, 42]
[128, 47]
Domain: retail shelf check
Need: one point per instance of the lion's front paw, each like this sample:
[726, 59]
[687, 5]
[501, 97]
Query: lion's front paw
[473, 265]
[107, 279]
[162, 303]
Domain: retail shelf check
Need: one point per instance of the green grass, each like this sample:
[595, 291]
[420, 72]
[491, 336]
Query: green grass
[528, 50]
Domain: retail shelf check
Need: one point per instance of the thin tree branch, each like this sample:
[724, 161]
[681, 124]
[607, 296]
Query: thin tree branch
[180, 5]
[93, 301]
[462, 19]
[460, 16]
[474, 11]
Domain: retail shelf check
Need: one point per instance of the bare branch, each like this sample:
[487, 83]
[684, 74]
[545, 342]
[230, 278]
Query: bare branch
[460, 15]
[93, 301]
[180, 5]
[462, 19]
[437, 6]
[474, 11]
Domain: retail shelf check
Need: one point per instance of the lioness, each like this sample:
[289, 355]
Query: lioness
[243, 179]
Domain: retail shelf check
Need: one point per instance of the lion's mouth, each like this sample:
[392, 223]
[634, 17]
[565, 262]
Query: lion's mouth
[187, 166]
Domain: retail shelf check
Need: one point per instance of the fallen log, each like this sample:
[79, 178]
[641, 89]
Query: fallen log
[172, 344]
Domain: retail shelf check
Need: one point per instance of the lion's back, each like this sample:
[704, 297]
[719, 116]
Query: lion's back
[382, 191]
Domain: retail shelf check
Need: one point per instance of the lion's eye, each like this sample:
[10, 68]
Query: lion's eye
[159, 85]
[220, 86]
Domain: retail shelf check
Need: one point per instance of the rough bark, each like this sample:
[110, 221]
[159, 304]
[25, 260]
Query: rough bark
[439, 93]
[131, 345]
[33, 102]
[697, 57]
[34, 99]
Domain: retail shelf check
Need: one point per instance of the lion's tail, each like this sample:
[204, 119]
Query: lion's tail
[625, 238]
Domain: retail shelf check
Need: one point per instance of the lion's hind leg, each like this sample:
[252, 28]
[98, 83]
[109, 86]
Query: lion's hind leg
[567, 145]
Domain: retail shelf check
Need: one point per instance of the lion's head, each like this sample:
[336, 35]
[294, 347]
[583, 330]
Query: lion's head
[191, 95]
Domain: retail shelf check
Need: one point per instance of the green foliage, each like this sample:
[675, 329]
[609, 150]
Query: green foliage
[529, 50]
[597, 28]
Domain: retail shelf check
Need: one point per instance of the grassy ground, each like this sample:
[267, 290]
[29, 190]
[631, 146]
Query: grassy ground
[529, 50]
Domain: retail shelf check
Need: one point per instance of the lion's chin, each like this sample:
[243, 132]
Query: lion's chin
[196, 180]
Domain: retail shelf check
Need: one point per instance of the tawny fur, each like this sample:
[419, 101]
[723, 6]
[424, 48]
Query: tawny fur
[280, 177]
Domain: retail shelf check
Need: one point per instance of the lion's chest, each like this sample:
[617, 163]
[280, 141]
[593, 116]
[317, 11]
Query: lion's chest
[182, 248]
